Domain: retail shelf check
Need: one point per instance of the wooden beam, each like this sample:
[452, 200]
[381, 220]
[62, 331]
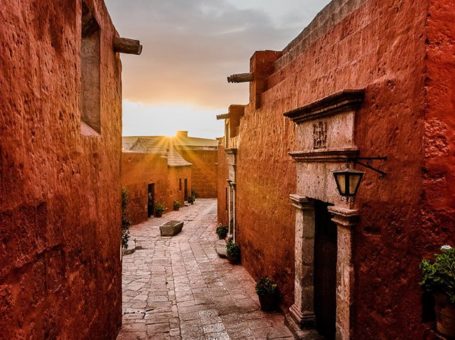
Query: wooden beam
[240, 78]
[222, 116]
[125, 45]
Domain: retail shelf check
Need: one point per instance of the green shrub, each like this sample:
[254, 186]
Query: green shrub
[159, 208]
[266, 286]
[177, 205]
[233, 252]
[438, 276]
[222, 231]
[125, 229]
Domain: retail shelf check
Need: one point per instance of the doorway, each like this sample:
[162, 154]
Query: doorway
[325, 266]
[185, 189]
[150, 199]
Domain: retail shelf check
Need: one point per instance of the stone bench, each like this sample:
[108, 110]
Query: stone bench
[171, 228]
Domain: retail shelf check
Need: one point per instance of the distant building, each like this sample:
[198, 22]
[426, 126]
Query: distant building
[367, 85]
[159, 169]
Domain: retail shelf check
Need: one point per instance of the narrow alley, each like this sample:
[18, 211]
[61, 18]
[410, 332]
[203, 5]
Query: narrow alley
[178, 288]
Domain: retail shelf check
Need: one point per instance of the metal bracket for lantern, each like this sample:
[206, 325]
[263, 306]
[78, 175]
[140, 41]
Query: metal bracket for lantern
[348, 180]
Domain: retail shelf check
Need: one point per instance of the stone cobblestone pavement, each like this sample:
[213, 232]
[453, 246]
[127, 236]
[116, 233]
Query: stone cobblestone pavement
[178, 288]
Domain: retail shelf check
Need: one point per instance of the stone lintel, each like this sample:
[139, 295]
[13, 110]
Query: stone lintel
[231, 151]
[325, 156]
[343, 101]
[344, 217]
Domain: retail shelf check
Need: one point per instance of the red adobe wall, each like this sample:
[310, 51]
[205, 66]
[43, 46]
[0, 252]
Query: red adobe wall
[439, 142]
[60, 270]
[222, 186]
[407, 115]
[265, 177]
[139, 170]
[204, 171]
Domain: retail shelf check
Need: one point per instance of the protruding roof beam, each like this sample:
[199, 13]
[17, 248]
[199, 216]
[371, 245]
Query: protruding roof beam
[240, 78]
[125, 45]
[222, 116]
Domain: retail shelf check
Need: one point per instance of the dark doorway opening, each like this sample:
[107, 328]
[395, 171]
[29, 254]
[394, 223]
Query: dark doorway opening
[150, 199]
[185, 186]
[325, 265]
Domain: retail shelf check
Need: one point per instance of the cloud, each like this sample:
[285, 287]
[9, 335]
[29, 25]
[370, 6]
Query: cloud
[191, 46]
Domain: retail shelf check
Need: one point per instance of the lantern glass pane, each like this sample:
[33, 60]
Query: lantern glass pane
[340, 178]
[354, 181]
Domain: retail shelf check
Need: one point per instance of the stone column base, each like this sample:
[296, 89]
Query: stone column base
[298, 332]
[303, 320]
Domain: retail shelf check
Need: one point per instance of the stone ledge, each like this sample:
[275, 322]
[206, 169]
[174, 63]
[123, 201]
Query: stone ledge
[343, 101]
[171, 228]
[220, 248]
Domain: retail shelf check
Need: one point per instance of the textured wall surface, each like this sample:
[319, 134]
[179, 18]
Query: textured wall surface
[402, 54]
[203, 170]
[60, 271]
[138, 171]
[222, 186]
[141, 169]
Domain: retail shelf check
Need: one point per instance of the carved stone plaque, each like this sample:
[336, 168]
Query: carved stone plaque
[319, 135]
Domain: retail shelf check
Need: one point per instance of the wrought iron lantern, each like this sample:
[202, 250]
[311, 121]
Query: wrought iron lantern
[348, 181]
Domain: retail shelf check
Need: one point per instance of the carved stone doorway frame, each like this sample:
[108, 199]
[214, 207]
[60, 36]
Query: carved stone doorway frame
[301, 313]
[325, 140]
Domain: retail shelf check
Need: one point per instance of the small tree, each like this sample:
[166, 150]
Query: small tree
[125, 220]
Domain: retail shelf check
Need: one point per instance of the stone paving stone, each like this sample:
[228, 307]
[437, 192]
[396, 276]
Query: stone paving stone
[178, 288]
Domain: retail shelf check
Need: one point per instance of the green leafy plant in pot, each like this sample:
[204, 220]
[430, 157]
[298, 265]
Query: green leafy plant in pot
[233, 252]
[268, 293]
[222, 231]
[438, 278]
[159, 209]
[177, 205]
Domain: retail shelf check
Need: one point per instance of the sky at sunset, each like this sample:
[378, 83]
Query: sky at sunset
[190, 47]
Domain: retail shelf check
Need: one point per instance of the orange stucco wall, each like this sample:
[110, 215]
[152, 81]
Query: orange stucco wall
[60, 270]
[402, 54]
[203, 170]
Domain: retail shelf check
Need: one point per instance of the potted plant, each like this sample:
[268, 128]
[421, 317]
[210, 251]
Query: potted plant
[438, 278]
[233, 252]
[268, 293]
[222, 231]
[126, 223]
[159, 209]
[177, 205]
[190, 199]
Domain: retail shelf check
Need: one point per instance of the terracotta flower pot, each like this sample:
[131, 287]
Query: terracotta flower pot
[158, 214]
[268, 302]
[445, 316]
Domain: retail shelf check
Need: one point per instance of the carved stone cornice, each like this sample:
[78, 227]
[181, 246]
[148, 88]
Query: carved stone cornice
[343, 101]
[344, 216]
[300, 202]
[334, 156]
